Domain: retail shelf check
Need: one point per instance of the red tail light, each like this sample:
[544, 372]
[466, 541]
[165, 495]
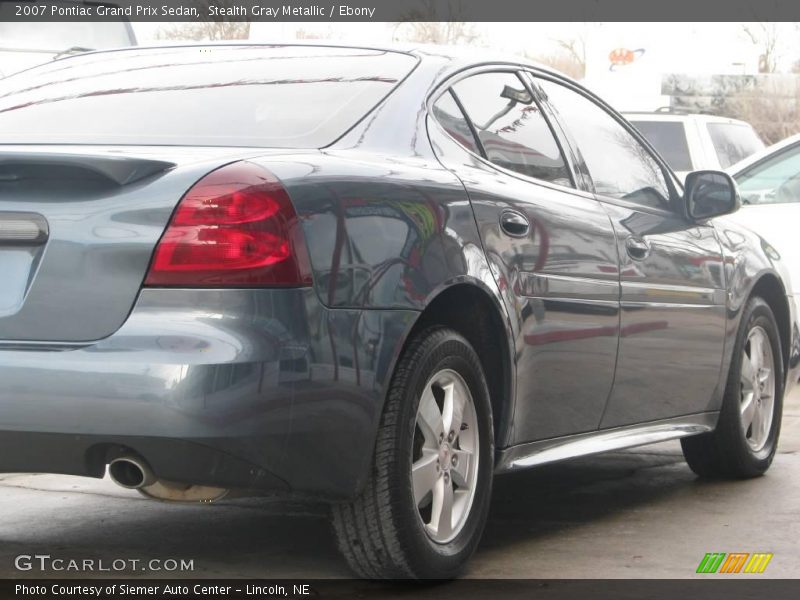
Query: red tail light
[234, 227]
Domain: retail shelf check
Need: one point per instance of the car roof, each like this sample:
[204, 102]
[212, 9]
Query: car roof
[743, 165]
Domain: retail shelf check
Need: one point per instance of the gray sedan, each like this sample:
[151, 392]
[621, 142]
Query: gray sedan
[375, 277]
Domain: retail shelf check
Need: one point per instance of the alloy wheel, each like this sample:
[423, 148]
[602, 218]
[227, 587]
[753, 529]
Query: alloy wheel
[444, 469]
[758, 388]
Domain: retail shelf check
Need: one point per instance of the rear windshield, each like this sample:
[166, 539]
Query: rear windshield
[733, 142]
[669, 138]
[283, 96]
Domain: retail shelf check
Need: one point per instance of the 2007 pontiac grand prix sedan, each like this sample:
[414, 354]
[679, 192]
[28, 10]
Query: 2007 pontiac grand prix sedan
[368, 276]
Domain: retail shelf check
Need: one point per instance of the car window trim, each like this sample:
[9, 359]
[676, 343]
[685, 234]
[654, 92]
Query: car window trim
[467, 120]
[581, 177]
[519, 74]
[547, 116]
[669, 176]
[446, 86]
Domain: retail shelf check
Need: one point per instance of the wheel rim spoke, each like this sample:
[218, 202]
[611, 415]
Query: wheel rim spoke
[748, 373]
[424, 475]
[756, 352]
[429, 419]
[748, 410]
[442, 510]
[453, 410]
[755, 425]
[758, 389]
[460, 471]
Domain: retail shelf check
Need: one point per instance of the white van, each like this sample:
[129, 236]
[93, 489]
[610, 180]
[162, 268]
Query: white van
[691, 142]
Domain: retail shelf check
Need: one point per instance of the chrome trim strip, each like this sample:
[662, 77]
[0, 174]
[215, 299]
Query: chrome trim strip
[679, 295]
[572, 287]
[634, 304]
[594, 442]
[565, 299]
[614, 283]
[666, 287]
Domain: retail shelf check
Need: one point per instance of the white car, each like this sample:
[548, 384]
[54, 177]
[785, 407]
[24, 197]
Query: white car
[769, 185]
[692, 142]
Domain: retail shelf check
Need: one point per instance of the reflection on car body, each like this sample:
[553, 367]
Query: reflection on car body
[376, 278]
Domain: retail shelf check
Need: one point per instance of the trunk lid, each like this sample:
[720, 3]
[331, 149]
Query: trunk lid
[78, 226]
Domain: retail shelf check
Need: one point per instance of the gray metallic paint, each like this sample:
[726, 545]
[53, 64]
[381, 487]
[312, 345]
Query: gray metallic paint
[291, 383]
[270, 377]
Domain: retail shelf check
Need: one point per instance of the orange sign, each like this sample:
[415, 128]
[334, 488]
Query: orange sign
[621, 57]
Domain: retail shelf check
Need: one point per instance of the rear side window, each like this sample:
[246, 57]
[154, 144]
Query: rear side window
[619, 165]
[512, 130]
[452, 120]
[733, 142]
[669, 138]
[283, 96]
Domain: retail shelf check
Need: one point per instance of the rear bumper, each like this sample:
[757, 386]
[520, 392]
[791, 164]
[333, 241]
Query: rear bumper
[233, 388]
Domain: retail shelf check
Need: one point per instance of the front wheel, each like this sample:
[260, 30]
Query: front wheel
[746, 438]
[423, 509]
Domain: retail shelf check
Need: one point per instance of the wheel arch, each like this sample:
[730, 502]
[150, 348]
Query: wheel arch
[769, 288]
[475, 313]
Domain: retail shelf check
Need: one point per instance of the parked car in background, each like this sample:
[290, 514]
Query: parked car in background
[690, 142]
[374, 277]
[769, 182]
[24, 44]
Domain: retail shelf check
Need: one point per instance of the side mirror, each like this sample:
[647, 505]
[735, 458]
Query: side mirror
[710, 194]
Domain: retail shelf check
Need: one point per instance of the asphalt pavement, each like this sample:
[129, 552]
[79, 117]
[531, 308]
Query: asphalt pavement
[634, 514]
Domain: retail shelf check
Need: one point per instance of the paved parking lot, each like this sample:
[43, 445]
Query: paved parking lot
[639, 513]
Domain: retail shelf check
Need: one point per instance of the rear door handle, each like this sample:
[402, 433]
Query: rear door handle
[514, 223]
[637, 248]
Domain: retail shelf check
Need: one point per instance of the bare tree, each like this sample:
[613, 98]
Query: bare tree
[449, 33]
[569, 55]
[561, 61]
[773, 116]
[766, 37]
[212, 30]
[436, 22]
[575, 50]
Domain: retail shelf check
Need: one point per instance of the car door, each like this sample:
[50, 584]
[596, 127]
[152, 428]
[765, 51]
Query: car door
[672, 282]
[551, 246]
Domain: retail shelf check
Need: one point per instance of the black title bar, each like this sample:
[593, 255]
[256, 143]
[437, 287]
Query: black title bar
[712, 588]
[400, 10]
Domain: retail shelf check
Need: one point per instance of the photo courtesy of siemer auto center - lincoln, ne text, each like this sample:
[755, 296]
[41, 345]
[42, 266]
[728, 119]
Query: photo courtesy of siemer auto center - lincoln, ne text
[431, 298]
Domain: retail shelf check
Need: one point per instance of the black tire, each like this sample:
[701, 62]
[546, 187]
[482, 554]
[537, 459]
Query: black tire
[381, 533]
[725, 453]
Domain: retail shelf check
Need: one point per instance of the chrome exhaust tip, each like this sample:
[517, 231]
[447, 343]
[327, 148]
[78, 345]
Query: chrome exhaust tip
[130, 472]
